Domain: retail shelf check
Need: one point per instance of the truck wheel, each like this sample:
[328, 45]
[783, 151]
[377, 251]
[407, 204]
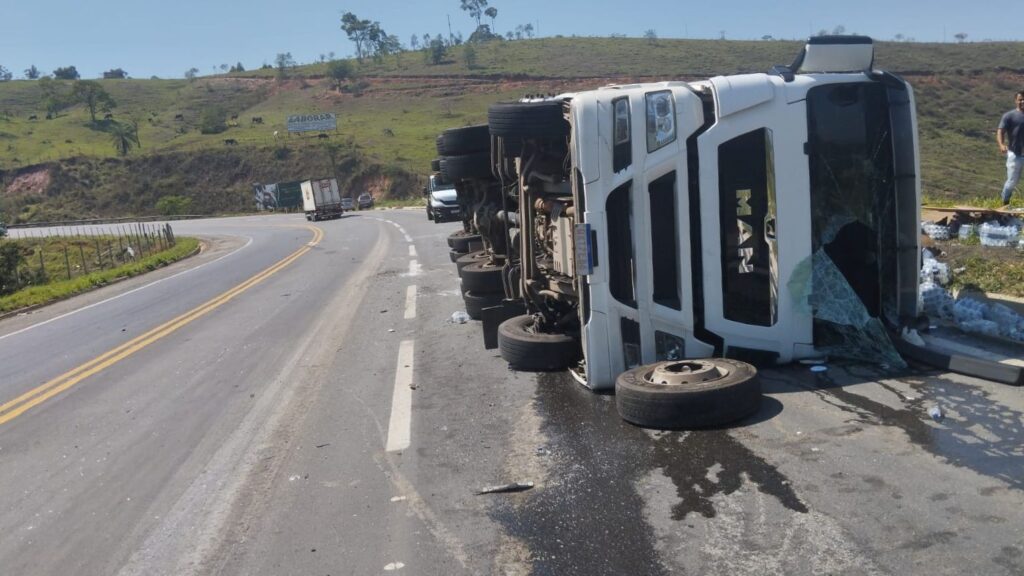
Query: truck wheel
[430, 215]
[477, 301]
[527, 119]
[435, 165]
[481, 277]
[460, 141]
[470, 258]
[461, 240]
[477, 165]
[529, 350]
[688, 393]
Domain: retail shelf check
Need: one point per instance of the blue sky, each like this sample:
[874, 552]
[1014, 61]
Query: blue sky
[151, 37]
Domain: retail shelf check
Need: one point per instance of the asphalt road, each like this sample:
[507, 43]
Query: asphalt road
[232, 414]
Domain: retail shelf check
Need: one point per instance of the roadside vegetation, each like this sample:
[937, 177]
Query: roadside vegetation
[20, 263]
[209, 138]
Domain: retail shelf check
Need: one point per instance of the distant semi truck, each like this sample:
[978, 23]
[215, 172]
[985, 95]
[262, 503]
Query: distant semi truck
[321, 199]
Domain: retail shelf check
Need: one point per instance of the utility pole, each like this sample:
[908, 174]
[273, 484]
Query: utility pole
[451, 37]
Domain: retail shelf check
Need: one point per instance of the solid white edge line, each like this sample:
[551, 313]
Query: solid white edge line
[400, 424]
[132, 291]
[410, 302]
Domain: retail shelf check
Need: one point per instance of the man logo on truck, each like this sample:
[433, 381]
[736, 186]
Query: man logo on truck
[745, 232]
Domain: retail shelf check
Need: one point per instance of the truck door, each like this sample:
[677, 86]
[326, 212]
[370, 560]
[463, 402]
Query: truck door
[755, 218]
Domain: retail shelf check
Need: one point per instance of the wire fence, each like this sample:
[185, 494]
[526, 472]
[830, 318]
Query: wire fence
[35, 256]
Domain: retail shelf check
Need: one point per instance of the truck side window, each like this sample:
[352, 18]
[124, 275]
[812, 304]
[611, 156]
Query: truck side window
[622, 144]
[747, 211]
[665, 241]
[621, 256]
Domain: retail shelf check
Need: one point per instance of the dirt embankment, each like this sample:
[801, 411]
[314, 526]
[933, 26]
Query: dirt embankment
[216, 181]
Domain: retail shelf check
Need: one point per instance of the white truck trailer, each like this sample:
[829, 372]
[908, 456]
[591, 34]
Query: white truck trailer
[321, 199]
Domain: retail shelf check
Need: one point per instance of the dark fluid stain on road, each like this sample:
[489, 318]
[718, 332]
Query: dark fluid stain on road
[1000, 455]
[690, 465]
[589, 518]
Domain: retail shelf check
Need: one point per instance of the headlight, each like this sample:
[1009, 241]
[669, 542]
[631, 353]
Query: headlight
[661, 119]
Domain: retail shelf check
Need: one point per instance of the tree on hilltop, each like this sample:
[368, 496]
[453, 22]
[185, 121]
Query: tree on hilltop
[475, 8]
[66, 73]
[960, 37]
[116, 73]
[358, 31]
[5, 74]
[54, 96]
[191, 73]
[32, 73]
[491, 13]
[92, 94]
[283, 62]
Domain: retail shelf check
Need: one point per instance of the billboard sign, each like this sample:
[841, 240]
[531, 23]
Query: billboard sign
[312, 122]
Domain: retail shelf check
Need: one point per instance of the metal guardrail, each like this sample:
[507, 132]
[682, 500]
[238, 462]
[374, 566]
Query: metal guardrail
[126, 220]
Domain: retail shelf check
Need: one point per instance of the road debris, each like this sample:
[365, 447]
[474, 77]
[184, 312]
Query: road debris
[459, 317]
[397, 498]
[936, 413]
[392, 566]
[506, 488]
[323, 445]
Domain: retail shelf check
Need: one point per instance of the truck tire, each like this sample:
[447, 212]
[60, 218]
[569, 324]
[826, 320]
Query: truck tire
[528, 350]
[481, 277]
[435, 165]
[685, 394]
[461, 240]
[476, 165]
[461, 141]
[470, 258]
[512, 120]
[477, 301]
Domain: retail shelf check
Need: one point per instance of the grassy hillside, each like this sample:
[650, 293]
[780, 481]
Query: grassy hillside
[390, 114]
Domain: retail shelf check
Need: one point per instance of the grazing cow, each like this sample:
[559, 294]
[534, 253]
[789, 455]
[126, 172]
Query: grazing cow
[33, 117]
[387, 132]
[234, 116]
[257, 119]
[322, 136]
[230, 141]
[108, 116]
[179, 116]
[275, 134]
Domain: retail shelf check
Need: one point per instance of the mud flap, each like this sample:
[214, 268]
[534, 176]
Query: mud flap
[495, 315]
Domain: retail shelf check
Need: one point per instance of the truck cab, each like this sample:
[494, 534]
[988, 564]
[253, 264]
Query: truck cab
[764, 217]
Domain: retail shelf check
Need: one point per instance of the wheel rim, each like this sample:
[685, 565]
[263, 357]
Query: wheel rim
[686, 373]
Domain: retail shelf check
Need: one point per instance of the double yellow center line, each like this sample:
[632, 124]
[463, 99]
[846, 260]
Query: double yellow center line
[14, 408]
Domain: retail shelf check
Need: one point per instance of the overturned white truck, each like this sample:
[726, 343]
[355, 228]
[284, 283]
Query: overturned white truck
[755, 217]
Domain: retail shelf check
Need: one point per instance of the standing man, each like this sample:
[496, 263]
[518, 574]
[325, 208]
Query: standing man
[1010, 136]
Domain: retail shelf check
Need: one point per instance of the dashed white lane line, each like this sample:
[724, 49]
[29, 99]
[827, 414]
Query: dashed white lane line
[412, 250]
[400, 425]
[414, 268]
[410, 302]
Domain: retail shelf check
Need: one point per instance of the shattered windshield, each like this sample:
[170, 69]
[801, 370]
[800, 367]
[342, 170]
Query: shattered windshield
[853, 217]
